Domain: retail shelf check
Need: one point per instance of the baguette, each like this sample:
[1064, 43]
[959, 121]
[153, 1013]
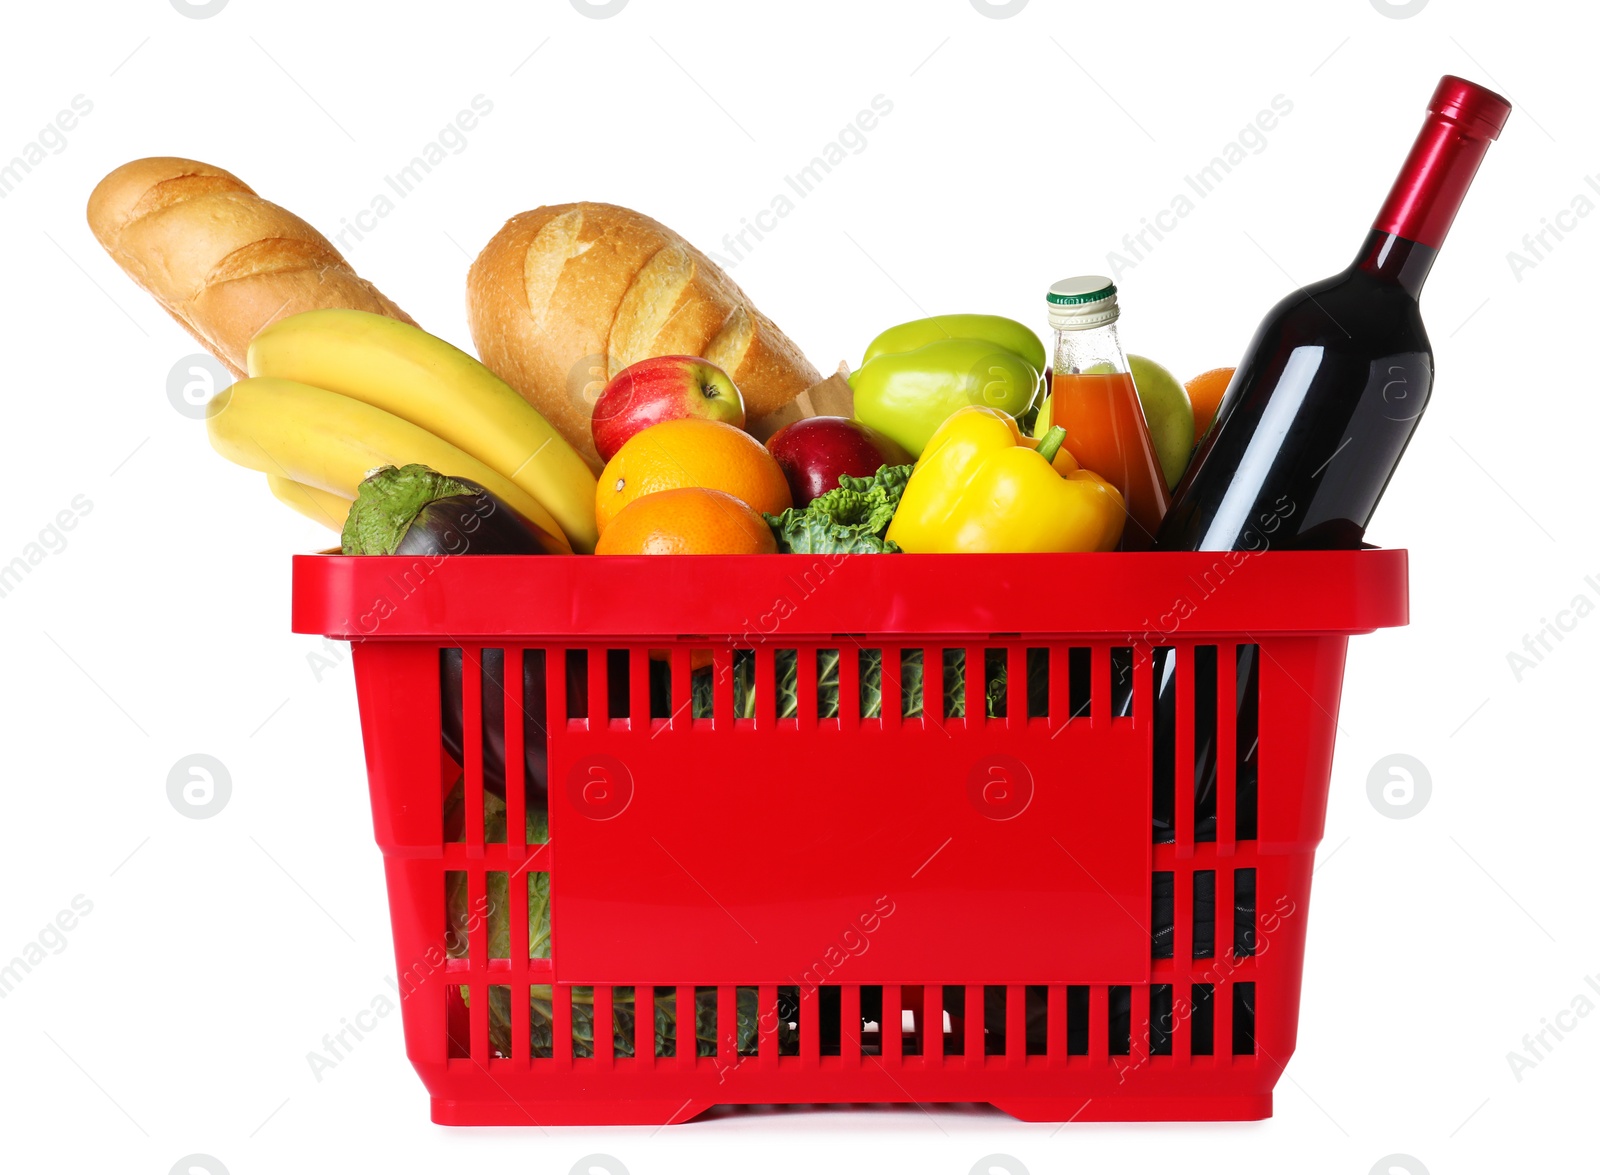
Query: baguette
[219, 258]
[566, 296]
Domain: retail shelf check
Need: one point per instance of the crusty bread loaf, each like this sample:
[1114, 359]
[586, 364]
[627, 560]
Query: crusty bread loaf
[566, 296]
[220, 259]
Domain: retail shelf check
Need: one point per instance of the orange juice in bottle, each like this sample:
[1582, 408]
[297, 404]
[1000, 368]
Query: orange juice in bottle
[1092, 396]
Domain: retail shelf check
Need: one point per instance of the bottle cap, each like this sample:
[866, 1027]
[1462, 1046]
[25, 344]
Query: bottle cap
[1463, 119]
[1077, 303]
[1480, 112]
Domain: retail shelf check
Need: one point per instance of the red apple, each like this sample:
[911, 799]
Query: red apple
[814, 452]
[668, 387]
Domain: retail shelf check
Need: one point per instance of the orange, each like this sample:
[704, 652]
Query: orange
[687, 522]
[691, 452]
[1205, 393]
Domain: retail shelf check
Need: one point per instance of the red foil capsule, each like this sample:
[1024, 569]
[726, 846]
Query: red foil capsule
[1463, 119]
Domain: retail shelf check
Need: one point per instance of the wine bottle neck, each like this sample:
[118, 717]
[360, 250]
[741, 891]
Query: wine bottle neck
[1393, 258]
[1463, 119]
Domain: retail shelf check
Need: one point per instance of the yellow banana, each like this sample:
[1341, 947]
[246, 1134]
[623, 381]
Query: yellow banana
[317, 505]
[403, 370]
[330, 442]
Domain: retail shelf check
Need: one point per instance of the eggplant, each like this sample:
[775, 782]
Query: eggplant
[535, 768]
[414, 511]
[535, 761]
[475, 523]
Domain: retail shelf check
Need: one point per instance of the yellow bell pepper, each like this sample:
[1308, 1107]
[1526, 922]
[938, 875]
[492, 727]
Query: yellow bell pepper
[980, 486]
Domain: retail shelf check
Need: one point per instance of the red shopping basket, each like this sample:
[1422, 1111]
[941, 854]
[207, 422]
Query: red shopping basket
[849, 829]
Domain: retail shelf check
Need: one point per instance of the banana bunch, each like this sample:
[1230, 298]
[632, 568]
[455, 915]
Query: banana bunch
[333, 394]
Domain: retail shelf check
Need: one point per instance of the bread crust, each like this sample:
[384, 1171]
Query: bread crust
[220, 259]
[565, 296]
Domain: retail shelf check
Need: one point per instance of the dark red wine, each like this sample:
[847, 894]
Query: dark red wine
[1330, 390]
[1310, 430]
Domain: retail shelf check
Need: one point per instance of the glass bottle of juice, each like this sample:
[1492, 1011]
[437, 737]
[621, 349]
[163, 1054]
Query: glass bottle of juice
[1092, 396]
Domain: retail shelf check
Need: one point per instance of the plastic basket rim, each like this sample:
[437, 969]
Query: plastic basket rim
[1144, 597]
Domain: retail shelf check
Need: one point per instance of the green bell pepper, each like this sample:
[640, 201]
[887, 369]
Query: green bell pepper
[915, 375]
[1007, 332]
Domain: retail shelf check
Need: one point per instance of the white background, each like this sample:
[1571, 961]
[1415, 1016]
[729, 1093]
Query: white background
[178, 1015]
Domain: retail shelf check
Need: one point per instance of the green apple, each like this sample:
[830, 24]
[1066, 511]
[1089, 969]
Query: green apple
[1167, 411]
[1041, 422]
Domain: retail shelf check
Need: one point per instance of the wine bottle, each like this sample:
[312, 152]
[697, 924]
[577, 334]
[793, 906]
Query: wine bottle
[1329, 392]
[1316, 418]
